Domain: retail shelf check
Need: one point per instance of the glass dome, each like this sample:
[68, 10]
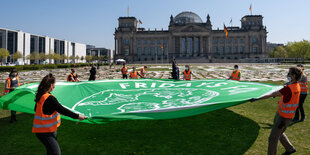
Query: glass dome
[187, 17]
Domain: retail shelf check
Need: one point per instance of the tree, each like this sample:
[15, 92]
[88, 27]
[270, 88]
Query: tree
[88, 58]
[56, 57]
[82, 58]
[16, 55]
[50, 56]
[278, 52]
[77, 58]
[72, 58]
[299, 49]
[34, 56]
[43, 56]
[4, 53]
[94, 58]
[63, 57]
[102, 58]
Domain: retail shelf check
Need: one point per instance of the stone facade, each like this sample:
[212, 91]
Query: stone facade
[189, 39]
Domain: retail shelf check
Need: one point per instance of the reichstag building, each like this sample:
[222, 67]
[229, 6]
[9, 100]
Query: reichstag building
[190, 39]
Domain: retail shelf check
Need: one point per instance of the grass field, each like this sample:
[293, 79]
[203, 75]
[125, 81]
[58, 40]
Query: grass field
[242, 129]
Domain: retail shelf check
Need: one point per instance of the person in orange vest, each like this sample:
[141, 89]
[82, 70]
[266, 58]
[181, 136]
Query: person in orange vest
[73, 77]
[287, 106]
[187, 74]
[11, 83]
[236, 74]
[47, 115]
[303, 82]
[143, 72]
[124, 71]
[134, 74]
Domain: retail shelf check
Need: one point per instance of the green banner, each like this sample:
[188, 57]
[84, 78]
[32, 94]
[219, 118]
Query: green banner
[112, 100]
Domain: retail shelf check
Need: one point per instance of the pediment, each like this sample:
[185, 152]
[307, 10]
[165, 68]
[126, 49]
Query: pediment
[191, 28]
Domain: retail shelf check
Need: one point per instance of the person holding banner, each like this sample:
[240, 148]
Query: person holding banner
[236, 74]
[11, 83]
[303, 94]
[287, 106]
[134, 74]
[73, 77]
[124, 71]
[47, 115]
[187, 74]
[143, 72]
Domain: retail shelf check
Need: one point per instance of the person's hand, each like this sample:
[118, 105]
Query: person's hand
[253, 99]
[81, 117]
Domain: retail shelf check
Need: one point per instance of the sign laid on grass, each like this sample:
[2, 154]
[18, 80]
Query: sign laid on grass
[112, 100]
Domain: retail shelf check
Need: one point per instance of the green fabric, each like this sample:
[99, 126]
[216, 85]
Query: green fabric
[113, 100]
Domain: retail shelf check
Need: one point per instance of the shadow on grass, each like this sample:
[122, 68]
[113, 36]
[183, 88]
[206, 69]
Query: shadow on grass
[217, 132]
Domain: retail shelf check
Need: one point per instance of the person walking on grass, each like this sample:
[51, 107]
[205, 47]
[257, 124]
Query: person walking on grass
[287, 106]
[303, 82]
[47, 115]
[92, 71]
[11, 83]
[124, 71]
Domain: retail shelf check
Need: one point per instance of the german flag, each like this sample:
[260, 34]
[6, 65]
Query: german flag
[226, 32]
[162, 47]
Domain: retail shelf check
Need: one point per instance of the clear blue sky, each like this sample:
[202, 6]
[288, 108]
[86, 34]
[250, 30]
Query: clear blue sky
[94, 21]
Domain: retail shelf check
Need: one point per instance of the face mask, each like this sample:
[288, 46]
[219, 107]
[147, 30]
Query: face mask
[186, 68]
[288, 78]
[236, 68]
[13, 75]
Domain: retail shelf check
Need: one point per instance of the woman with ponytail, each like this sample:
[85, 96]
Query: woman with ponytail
[47, 115]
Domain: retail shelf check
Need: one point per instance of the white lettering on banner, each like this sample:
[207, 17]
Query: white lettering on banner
[217, 85]
[184, 85]
[239, 89]
[124, 85]
[138, 85]
[203, 84]
[167, 85]
[153, 85]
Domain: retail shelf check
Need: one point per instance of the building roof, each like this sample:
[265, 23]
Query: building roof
[187, 17]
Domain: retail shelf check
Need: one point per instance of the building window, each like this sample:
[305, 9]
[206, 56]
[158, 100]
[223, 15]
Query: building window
[158, 42]
[190, 45]
[183, 45]
[227, 40]
[241, 50]
[146, 50]
[159, 52]
[145, 42]
[255, 50]
[139, 42]
[235, 41]
[222, 50]
[197, 45]
[241, 41]
[152, 51]
[214, 41]
[254, 40]
[222, 41]
[126, 42]
[227, 49]
[153, 42]
[139, 51]
[126, 51]
[214, 49]
[235, 49]
[165, 42]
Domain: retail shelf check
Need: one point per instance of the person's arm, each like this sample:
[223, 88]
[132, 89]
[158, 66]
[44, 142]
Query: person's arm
[6, 85]
[274, 94]
[51, 104]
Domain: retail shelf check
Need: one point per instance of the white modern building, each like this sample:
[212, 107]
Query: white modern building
[26, 43]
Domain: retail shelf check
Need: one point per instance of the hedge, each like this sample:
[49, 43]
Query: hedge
[47, 66]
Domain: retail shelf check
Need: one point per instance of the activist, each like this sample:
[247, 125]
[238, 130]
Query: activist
[11, 83]
[236, 74]
[134, 74]
[124, 71]
[73, 77]
[143, 72]
[92, 71]
[303, 94]
[187, 74]
[286, 109]
[47, 118]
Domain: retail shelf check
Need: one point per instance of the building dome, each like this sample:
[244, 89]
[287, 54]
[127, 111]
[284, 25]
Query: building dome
[187, 17]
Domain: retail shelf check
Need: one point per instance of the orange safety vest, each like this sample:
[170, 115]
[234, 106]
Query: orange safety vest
[6, 91]
[72, 75]
[287, 110]
[143, 73]
[134, 75]
[235, 76]
[187, 76]
[304, 85]
[124, 70]
[45, 123]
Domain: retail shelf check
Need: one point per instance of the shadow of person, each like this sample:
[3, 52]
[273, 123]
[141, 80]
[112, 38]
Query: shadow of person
[268, 125]
[218, 132]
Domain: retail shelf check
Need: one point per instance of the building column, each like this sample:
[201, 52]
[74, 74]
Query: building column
[180, 49]
[201, 46]
[187, 47]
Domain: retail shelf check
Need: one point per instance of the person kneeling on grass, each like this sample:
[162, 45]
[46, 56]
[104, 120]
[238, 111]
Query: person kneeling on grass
[287, 106]
[47, 118]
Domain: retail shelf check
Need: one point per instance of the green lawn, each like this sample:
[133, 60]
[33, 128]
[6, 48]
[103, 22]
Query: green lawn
[242, 129]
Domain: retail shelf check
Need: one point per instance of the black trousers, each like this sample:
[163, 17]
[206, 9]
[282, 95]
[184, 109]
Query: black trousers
[13, 115]
[300, 108]
[50, 142]
[125, 76]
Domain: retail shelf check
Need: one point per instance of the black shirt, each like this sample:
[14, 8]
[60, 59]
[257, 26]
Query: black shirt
[51, 105]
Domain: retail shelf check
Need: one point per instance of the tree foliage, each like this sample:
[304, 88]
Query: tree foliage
[299, 49]
[4, 53]
[17, 55]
